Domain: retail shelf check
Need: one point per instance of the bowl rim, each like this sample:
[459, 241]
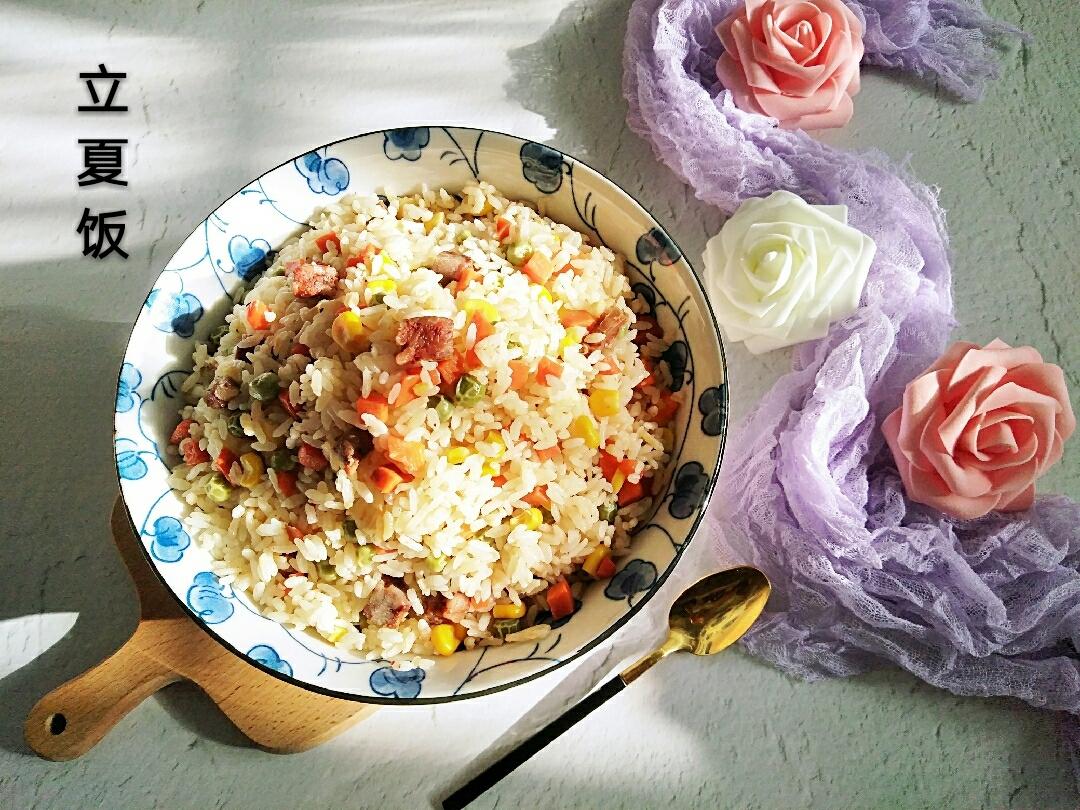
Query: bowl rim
[594, 642]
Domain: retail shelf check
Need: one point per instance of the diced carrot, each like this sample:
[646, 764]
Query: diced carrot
[385, 479]
[631, 493]
[367, 252]
[538, 268]
[181, 431]
[576, 317]
[287, 404]
[566, 268]
[408, 456]
[193, 454]
[552, 453]
[449, 372]
[407, 393]
[484, 327]
[225, 460]
[471, 360]
[312, 457]
[560, 599]
[502, 228]
[609, 465]
[519, 374]
[666, 408]
[286, 482]
[498, 480]
[466, 276]
[606, 568]
[375, 404]
[301, 349]
[649, 365]
[548, 368]
[322, 242]
[256, 315]
[538, 497]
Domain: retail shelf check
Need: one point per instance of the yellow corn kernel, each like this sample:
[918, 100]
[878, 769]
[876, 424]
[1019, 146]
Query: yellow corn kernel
[572, 337]
[443, 639]
[543, 292]
[460, 632]
[348, 331]
[617, 480]
[336, 635]
[583, 427]
[508, 611]
[252, 466]
[436, 220]
[381, 264]
[532, 519]
[604, 401]
[592, 562]
[490, 468]
[485, 308]
[379, 286]
[457, 455]
[495, 438]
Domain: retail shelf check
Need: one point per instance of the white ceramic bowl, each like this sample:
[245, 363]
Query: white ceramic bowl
[197, 288]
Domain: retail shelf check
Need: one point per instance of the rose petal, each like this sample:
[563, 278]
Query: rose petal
[1020, 501]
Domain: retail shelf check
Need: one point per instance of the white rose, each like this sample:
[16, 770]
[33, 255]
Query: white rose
[781, 270]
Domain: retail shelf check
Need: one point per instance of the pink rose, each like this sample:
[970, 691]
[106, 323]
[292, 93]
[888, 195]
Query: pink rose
[978, 427]
[794, 60]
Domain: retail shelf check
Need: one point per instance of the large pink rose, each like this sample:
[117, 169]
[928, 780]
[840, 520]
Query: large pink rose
[978, 427]
[794, 60]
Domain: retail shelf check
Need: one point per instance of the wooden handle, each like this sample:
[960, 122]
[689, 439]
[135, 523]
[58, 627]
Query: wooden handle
[73, 718]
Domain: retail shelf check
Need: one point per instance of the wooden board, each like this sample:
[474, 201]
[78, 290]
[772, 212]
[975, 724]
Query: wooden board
[166, 647]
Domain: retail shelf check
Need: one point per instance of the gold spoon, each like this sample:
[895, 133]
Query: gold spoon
[709, 616]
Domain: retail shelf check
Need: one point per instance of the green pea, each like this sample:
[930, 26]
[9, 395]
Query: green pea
[350, 528]
[443, 407]
[218, 489]
[364, 555]
[436, 563]
[377, 299]
[265, 387]
[234, 427]
[327, 572]
[282, 460]
[468, 391]
[518, 253]
[504, 627]
[608, 512]
[462, 235]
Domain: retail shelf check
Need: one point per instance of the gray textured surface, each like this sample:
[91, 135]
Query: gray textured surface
[219, 92]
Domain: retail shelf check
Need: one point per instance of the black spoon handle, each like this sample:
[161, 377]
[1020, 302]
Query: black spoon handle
[515, 757]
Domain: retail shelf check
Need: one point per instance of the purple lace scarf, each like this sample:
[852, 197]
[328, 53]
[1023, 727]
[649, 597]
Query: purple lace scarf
[808, 490]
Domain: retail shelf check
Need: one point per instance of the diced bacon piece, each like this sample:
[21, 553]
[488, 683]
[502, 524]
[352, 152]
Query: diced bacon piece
[610, 326]
[456, 608]
[312, 280]
[353, 449]
[386, 606]
[450, 265]
[221, 392]
[428, 337]
[434, 606]
[312, 457]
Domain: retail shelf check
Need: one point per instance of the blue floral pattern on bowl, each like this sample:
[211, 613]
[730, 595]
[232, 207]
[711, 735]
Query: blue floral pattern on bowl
[324, 174]
[393, 683]
[636, 577]
[542, 166]
[207, 276]
[407, 142]
[267, 656]
[169, 539]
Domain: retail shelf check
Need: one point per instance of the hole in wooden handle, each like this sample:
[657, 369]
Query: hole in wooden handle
[57, 723]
